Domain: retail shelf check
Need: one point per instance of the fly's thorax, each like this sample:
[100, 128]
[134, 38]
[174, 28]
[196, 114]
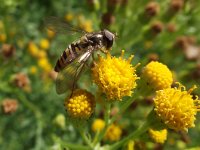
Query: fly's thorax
[95, 38]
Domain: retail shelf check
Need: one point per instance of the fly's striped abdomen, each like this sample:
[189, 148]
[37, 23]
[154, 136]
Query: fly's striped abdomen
[72, 52]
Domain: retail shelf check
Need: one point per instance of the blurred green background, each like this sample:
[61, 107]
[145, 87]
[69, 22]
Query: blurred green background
[167, 31]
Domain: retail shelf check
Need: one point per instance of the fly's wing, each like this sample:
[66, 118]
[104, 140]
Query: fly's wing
[67, 78]
[59, 26]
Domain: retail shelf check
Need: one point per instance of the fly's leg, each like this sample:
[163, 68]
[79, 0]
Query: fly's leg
[104, 51]
[93, 60]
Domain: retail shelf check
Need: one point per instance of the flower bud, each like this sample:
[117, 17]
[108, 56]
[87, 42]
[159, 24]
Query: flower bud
[152, 9]
[171, 27]
[157, 27]
[8, 50]
[108, 19]
[176, 5]
[21, 80]
[9, 105]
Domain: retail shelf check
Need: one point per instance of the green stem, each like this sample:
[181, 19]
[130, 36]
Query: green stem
[107, 122]
[38, 116]
[75, 146]
[132, 136]
[85, 138]
[124, 106]
[151, 121]
[107, 114]
[72, 146]
[95, 141]
[29, 105]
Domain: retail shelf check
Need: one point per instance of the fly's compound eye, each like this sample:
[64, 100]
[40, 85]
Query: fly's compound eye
[108, 35]
[109, 38]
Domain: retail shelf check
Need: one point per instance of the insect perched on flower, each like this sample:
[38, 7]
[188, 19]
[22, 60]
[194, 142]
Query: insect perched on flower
[73, 59]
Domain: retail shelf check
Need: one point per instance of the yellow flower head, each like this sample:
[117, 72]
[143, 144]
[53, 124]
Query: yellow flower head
[176, 108]
[130, 145]
[41, 54]
[98, 125]
[157, 75]
[158, 136]
[33, 70]
[115, 76]
[81, 104]
[44, 44]
[113, 133]
[69, 17]
[50, 34]
[44, 64]
[87, 25]
[33, 49]
[3, 37]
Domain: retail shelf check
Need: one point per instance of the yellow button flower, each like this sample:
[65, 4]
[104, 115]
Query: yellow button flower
[98, 125]
[81, 104]
[33, 49]
[44, 44]
[157, 75]
[41, 54]
[176, 108]
[113, 133]
[158, 136]
[115, 76]
[3, 37]
[87, 25]
[69, 17]
[130, 145]
[33, 69]
[50, 34]
[44, 64]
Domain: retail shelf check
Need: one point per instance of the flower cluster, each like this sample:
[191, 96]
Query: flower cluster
[40, 54]
[83, 23]
[111, 96]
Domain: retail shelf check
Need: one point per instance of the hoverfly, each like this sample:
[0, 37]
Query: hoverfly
[73, 59]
